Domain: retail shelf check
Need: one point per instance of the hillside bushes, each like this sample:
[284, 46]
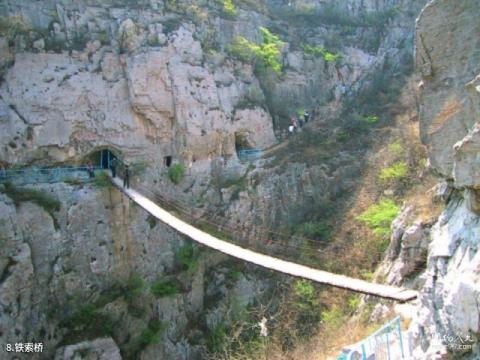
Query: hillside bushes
[319, 51]
[397, 171]
[162, 288]
[379, 216]
[176, 173]
[41, 198]
[267, 54]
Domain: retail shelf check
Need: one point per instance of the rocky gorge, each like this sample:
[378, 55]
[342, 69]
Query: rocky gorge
[165, 83]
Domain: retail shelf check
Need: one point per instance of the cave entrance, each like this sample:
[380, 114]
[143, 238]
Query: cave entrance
[167, 161]
[102, 158]
[242, 141]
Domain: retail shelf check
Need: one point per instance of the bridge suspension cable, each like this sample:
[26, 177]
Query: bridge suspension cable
[336, 280]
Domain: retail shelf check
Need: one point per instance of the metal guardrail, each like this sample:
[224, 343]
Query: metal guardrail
[44, 175]
[384, 344]
[250, 154]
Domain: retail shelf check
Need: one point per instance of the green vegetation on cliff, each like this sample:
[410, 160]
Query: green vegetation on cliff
[266, 54]
[176, 173]
[379, 216]
[40, 197]
[397, 171]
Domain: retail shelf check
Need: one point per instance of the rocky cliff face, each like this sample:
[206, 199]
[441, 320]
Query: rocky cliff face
[153, 79]
[74, 275]
[447, 57]
[147, 80]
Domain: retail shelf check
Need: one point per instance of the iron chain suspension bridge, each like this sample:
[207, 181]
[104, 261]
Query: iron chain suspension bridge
[163, 208]
[386, 343]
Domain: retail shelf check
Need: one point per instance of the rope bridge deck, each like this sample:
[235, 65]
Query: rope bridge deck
[269, 262]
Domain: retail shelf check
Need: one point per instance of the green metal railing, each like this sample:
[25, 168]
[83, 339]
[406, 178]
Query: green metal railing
[384, 344]
[44, 175]
[249, 154]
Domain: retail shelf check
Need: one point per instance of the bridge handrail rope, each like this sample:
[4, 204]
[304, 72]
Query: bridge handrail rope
[186, 209]
[208, 240]
[226, 228]
[276, 241]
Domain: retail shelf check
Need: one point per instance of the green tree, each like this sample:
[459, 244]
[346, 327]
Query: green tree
[379, 217]
[268, 53]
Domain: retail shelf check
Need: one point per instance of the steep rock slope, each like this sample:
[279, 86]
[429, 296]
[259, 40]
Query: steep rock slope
[149, 80]
[448, 57]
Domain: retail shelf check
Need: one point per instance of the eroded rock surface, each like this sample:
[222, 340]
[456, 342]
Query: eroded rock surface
[448, 58]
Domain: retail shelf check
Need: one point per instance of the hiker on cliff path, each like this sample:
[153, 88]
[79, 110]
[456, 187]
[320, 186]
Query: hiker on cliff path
[306, 116]
[113, 167]
[90, 170]
[126, 177]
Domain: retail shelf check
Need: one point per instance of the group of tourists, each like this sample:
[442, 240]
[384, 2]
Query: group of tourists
[297, 123]
[113, 168]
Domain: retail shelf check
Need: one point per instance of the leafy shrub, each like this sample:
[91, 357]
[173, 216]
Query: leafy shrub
[241, 49]
[333, 317]
[304, 294]
[396, 149]
[150, 335]
[267, 53]
[353, 303]
[163, 288]
[133, 287]
[217, 337]
[41, 198]
[314, 230]
[102, 180]
[176, 173]
[229, 8]
[11, 26]
[371, 119]
[187, 257]
[397, 171]
[89, 322]
[319, 51]
[152, 221]
[379, 216]
[304, 290]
